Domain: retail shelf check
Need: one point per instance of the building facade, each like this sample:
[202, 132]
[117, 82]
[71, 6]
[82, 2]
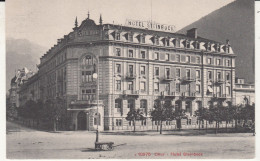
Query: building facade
[135, 67]
[20, 78]
[244, 92]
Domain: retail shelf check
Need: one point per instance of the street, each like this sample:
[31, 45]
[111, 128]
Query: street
[26, 143]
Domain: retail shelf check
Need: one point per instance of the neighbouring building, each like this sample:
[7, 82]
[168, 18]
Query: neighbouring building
[20, 78]
[136, 68]
[244, 92]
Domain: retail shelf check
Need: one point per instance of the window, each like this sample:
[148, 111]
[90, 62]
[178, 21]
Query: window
[118, 105]
[142, 39]
[167, 73]
[228, 90]
[118, 122]
[131, 69]
[143, 54]
[86, 76]
[178, 58]
[130, 53]
[187, 59]
[167, 57]
[156, 86]
[198, 74]
[88, 60]
[97, 119]
[156, 71]
[130, 104]
[131, 37]
[209, 74]
[118, 84]
[218, 90]
[142, 86]
[219, 75]
[167, 88]
[142, 69]
[178, 72]
[188, 73]
[118, 68]
[228, 62]
[209, 60]
[118, 52]
[218, 61]
[198, 60]
[167, 42]
[156, 39]
[156, 56]
[210, 90]
[130, 86]
[178, 87]
[197, 88]
[117, 36]
[143, 104]
[228, 76]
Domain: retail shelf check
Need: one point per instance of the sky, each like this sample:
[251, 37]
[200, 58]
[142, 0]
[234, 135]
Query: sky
[45, 21]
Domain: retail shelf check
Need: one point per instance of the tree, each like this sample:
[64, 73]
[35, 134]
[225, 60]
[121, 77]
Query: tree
[215, 113]
[54, 110]
[203, 114]
[134, 114]
[11, 110]
[178, 114]
[162, 112]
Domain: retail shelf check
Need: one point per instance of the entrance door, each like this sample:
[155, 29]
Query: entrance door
[82, 121]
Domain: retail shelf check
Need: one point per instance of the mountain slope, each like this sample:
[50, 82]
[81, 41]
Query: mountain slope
[235, 22]
[21, 53]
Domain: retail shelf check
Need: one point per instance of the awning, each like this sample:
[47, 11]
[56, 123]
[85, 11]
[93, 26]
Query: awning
[210, 89]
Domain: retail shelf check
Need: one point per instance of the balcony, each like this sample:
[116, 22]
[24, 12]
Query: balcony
[131, 93]
[188, 79]
[167, 78]
[130, 76]
[168, 94]
[189, 95]
[219, 81]
[219, 96]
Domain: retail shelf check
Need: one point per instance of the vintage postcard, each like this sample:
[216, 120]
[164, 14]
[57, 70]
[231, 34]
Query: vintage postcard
[113, 79]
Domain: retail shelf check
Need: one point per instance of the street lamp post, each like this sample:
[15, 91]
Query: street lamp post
[95, 76]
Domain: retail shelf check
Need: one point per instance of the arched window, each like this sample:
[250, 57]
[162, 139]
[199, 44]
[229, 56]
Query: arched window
[97, 119]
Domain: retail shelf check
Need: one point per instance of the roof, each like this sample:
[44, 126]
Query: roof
[159, 33]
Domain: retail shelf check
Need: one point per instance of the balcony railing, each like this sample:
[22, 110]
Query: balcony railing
[131, 93]
[130, 76]
[169, 94]
[189, 94]
[220, 81]
[168, 78]
[220, 96]
[188, 79]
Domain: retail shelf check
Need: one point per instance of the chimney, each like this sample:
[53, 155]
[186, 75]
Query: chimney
[192, 33]
[227, 42]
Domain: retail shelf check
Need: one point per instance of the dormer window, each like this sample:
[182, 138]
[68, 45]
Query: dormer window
[130, 37]
[142, 38]
[187, 44]
[166, 42]
[156, 40]
[117, 36]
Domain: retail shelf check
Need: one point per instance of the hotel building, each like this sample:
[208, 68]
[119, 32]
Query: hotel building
[135, 67]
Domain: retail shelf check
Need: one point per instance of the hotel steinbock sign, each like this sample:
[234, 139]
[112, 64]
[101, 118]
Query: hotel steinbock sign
[150, 25]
